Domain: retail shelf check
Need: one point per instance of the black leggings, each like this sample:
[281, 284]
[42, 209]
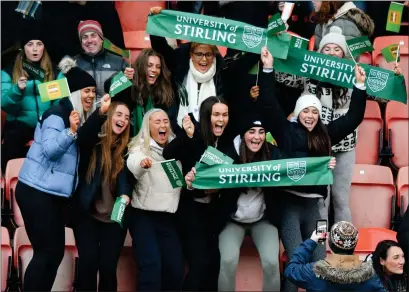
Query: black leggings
[44, 222]
[99, 246]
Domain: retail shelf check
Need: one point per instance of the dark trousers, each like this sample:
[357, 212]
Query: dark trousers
[157, 250]
[99, 246]
[16, 135]
[44, 223]
[200, 245]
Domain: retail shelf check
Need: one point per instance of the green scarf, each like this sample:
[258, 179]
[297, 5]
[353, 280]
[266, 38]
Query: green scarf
[138, 114]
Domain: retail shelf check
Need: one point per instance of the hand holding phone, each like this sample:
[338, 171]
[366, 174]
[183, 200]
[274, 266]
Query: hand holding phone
[321, 230]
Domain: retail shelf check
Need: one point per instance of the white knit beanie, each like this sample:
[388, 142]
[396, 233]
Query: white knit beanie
[305, 101]
[336, 37]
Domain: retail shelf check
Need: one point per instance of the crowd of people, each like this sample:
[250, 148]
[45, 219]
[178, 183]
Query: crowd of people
[90, 148]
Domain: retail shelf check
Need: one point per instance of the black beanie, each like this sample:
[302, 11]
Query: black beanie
[31, 30]
[76, 77]
[251, 120]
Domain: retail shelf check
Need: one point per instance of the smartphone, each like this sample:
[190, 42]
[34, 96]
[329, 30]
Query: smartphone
[322, 227]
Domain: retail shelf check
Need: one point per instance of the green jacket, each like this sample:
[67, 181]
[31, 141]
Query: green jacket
[23, 106]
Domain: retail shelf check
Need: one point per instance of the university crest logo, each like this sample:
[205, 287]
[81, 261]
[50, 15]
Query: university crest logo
[377, 80]
[296, 170]
[252, 36]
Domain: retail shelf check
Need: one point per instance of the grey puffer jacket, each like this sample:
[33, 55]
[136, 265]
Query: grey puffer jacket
[352, 20]
[101, 67]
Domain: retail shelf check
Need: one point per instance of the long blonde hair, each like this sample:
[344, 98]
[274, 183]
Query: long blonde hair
[143, 139]
[45, 64]
[112, 151]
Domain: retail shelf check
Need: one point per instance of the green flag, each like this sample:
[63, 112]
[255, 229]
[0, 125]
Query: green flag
[275, 25]
[390, 52]
[34, 71]
[173, 173]
[118, 211]
[275, 173]
[119, 82]
[213, 156]
[108, 45]
[338, 71]
[394, 17]
[216, 31]
[360, 45]
[270, 139]
[55, 89]
[299, 42]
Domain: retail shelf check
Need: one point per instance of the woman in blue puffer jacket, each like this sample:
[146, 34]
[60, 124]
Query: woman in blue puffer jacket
[20, 97]
[49, 174]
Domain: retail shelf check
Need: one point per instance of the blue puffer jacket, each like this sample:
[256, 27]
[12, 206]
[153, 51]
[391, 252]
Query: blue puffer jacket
[52, 161]
[335, 273]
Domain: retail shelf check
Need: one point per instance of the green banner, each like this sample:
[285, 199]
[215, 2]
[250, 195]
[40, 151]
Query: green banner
[108, 45]
[308, 171]
[298, 42]
[216, 31]
[390, 53]
[394, 17]
[34, 71]
[119, 82]
[360, 45]
[213, 156]
[118, 211]
[55, 89]
[275, 25]
[173, 173]
[379, 82]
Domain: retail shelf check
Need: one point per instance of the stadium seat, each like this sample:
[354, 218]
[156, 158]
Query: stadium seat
[402, 183]
[249, 276]
[136, 41]
[397, 127]
[384, 41]
[372, 197]
[127, 270]
[366, 58]
[12, 170]
[370, 135]
[369, 238]
[2, 185]
[6, 254]
[311, 43]
[23, 253]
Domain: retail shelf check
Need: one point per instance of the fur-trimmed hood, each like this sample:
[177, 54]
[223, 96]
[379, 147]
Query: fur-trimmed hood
[362, 20]
[344, 269]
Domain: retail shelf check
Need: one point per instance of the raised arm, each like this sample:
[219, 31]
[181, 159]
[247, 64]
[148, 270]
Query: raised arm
[340, 128]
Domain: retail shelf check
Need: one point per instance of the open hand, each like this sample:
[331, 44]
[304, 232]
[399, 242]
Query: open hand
[146, 163]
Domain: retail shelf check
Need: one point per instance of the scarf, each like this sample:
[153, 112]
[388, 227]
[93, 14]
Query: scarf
[138, 114]
[195, 98]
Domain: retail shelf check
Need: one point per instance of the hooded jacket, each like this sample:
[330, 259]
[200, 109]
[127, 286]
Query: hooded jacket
[334, 273]
[352, 20]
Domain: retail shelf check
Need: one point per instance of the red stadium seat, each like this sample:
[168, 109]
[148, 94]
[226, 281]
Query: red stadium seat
[397, 127]
[372, 197]
[370, 135]
[311, 43]
[126, 270]
[23, 253]
[12, 170]
[2, 185]
[384, 41]
[3, 120]
[6, 254]
[402, 184]
[366, 58]
[249, 276]
[369, 238]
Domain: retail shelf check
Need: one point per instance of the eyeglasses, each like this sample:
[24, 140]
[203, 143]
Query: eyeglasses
[199, 55]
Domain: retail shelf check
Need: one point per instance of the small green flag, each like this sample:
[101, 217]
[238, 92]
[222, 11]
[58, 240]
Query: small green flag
[394, 17]
[174, 174]
[108, 45]
[34, 71]
[390, 52]
[299, 42]
[360, 45]
[119, 82]
[213, 156]
[270, 139]
[254, 69]
[118, 211]
[55, 89]
[275, 25]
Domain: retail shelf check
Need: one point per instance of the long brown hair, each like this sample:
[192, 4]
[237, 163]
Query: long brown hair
[327, 11]
[319, 142]
[45, 64]
[112, 151]
[247, 156]
[162, 91]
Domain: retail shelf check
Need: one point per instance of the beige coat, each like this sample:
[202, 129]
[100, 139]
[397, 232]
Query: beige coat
[153, 191]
